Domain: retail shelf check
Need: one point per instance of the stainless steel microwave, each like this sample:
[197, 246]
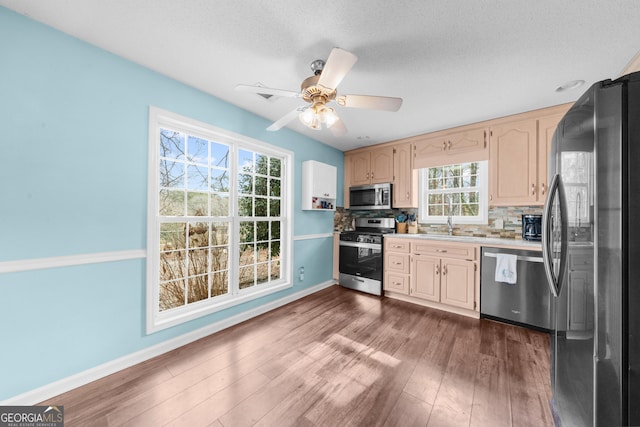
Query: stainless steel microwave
[369, 197]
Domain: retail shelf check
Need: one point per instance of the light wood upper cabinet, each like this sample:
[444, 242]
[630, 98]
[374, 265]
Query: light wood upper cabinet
[546, 128]
[513, 169]
[519, 154]
[443, 148]
[405, 178]
[371, 166]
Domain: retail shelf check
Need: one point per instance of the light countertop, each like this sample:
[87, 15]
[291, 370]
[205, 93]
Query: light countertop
[482, 241]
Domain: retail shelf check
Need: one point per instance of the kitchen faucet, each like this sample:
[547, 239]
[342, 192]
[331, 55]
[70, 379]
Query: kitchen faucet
[450, 219]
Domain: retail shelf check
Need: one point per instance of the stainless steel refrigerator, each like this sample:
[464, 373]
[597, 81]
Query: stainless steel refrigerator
[591, 250]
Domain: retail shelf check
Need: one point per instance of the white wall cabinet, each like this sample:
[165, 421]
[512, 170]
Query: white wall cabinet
[319, 186]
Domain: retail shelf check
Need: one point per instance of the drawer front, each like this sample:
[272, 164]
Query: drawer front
[398, 263]
[397, 245]
[396, 283]
[446, 250]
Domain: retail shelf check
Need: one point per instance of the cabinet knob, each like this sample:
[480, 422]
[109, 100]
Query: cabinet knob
[444, 145]
[449, 145]
[444, 270]
[533, 189]
[437, 269]
[542, 188]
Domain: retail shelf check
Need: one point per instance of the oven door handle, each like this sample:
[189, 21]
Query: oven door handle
[361, 245]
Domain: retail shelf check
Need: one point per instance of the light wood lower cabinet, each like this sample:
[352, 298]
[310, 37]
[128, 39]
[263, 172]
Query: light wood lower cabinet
[438, 274]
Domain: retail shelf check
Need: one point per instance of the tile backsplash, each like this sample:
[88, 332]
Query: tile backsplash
[511, 218]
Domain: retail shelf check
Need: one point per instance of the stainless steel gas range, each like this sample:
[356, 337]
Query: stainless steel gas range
[361, 254]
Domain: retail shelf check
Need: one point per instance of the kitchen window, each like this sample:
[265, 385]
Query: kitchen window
[219, 219]
[459, 190]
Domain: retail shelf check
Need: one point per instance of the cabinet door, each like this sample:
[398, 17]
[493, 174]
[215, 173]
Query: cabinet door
[405, 178]
[513, 167]
[425, 278]
[458, 283]
[382, 165]
[471, 141]
[546, 128]
[430, 152]
[360, 168]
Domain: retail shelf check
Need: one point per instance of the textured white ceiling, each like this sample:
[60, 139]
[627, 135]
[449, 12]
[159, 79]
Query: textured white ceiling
[454, 62]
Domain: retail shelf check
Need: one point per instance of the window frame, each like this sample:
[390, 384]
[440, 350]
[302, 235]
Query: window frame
[483, 198]
[156, 319]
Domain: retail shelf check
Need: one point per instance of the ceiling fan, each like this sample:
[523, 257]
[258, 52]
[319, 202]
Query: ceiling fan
[319, 90]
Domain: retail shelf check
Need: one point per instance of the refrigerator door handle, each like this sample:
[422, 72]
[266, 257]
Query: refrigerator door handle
[547, 237]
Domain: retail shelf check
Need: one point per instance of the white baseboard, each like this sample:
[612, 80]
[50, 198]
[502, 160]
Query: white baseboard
[56, 388]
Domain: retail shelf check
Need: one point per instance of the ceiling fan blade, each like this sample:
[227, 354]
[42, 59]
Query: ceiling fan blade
[338, 128]
[370, 102]
[337, 66]
[268, 91]
[282, 121]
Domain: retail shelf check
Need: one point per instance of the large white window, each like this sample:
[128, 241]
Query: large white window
[219, 219]
[459, 190]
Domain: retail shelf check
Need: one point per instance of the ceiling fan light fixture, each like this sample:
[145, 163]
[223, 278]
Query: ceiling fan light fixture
[310, 119]
[329, 117]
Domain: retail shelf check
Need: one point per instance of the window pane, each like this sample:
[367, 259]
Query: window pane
[219, 258]
[197, 204]
[220, 180]
[275, 230]
[261, 186]
[275, 250]
[171, 295]
[262, 231]
[171, 203]
[171, 174]
[274, 168]
[197, 178]
[274, 187]
[173, 236]
[246, 231]
[262, 164]
[246, 277]
[220, 234]
[435, 210]
[171, 144]
[219, 205]
[198, 150]
[245, 161]
[172, 265]
[275, 270]
[245, 183]
[219, 155]
[198, 234]
[263, 273]
[198, 288]
[261, 206]
[219, 283]
[247, 254]
[245, 206]
[198, 262]
[274, 207]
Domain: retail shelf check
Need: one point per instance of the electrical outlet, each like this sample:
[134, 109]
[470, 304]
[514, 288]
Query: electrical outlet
[301, 274]
[498, 224]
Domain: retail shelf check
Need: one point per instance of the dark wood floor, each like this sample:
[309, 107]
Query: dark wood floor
[335, 358]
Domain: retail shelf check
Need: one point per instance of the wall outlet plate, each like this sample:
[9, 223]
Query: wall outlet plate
[498, 224]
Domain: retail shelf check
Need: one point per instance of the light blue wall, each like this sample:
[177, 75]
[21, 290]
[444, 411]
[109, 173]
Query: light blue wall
[73, 172]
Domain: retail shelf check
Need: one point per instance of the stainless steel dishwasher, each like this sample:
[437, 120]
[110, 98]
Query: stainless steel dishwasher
[527, 302]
